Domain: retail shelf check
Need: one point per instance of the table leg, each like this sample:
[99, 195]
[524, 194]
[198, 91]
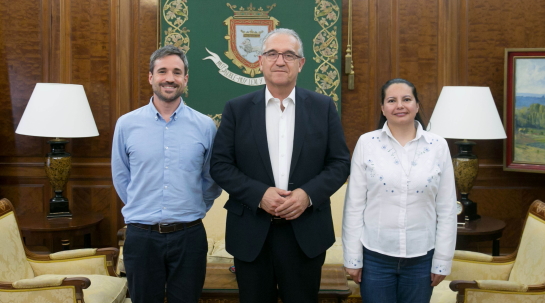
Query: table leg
[496, 247]
[87, 240]
[65, 244]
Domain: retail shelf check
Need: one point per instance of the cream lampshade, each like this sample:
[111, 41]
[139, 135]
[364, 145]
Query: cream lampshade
[59, 111]
[466, 112]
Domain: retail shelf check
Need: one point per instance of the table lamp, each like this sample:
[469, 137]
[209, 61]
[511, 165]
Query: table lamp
[59, 111]
[466, 112]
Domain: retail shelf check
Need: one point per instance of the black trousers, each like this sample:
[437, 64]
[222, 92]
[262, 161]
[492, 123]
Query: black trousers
[280, 269]
[175, 261]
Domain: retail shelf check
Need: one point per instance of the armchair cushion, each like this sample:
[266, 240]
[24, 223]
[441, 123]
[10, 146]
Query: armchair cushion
[219, 254]
[40, 281]
[105, 289]
[443, 294]
[210, 242]
[334, 254]
[74, 253]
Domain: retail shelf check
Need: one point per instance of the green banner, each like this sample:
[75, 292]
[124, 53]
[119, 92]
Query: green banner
[223, 41]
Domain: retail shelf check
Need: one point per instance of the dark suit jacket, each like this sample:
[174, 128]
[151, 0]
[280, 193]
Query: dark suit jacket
[241, 166]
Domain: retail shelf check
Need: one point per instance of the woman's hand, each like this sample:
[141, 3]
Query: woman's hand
[355, 273]
[436, 279]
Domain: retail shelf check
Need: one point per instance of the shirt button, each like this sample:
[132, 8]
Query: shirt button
[166, 186]
[283, 175]
[166, 147]
[282, 155]
[166, 127]
[166, 167]
[164, 208]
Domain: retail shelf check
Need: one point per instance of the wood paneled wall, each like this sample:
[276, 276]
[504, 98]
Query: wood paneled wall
[438, 43]
[105, 45]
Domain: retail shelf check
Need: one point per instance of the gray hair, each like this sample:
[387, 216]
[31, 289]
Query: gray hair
[165, 51]
[284, 31]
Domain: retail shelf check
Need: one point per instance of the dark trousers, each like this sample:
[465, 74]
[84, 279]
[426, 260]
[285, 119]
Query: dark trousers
[388, 279]
[280, 269]
[175, 261]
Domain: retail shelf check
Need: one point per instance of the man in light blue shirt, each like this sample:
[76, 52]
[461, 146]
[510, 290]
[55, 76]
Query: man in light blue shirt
[160, 167]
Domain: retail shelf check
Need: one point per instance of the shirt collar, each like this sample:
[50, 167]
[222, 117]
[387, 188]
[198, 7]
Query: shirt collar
[269, 96]
[419, 131]
[157, 115]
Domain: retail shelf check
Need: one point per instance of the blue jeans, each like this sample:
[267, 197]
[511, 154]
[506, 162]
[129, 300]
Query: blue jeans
[388, 279]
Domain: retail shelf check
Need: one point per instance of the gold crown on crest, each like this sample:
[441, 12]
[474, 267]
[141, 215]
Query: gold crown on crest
[251, 34]
[251, 12]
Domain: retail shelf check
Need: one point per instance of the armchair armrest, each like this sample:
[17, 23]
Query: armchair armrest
[460, 286]
[472, 256]
[471, 265]
[12, 290]
[40, 281]
[502, 285]
[79, 262]
[72, 254]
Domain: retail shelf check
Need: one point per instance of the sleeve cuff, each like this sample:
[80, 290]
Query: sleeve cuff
[441, 267]
[353, 261]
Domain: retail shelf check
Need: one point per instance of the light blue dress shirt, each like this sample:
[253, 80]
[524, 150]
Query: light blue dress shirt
[161, 169]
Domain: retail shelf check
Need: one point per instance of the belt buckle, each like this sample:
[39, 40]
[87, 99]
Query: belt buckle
[160, 230]
[277, 219]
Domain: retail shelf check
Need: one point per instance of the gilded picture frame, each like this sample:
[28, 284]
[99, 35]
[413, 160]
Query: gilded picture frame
[524, 110]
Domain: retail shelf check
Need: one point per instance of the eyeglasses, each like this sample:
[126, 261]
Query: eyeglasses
[287, 56]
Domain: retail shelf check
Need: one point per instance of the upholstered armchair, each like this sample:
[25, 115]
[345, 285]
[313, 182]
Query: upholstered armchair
[518, 277]
[81, 275]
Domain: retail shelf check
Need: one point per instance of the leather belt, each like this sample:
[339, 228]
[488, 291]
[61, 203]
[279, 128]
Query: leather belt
[167, 228]
[278, 220]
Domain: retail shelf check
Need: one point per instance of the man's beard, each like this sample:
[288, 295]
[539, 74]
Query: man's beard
[164, 98]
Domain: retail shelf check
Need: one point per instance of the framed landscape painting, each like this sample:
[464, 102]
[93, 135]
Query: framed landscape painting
[524, 109]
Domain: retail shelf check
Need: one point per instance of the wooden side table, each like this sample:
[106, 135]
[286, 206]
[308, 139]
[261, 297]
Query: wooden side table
[483, 229]
[57, 233]
[220, 285]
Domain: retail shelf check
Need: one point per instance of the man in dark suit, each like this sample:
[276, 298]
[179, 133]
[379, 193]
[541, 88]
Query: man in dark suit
[280, 153]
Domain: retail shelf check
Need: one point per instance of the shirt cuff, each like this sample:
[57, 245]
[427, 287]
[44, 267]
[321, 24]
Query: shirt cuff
[441, 267]
[353, 261]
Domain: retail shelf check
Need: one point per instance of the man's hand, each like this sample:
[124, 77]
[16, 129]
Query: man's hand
[273, 198]
[296, 203]
[436, 279]
[355, 273]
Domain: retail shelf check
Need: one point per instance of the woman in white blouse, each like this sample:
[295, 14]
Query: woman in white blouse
[399, 225]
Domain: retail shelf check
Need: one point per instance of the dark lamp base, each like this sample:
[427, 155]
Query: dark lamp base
[58, 206]
[59, 215]
[57, 170]
[470, 208]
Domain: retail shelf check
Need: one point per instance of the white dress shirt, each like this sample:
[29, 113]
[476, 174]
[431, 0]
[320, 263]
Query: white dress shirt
[280, 129]
[401, 200]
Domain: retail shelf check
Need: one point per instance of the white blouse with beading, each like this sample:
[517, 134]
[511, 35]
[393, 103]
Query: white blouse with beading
[401, 200]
